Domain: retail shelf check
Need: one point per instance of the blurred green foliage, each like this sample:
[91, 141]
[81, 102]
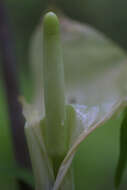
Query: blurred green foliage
[96, 159]
[109, 16]
[6, 149]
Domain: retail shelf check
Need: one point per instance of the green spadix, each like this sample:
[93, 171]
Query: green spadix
[53, 77]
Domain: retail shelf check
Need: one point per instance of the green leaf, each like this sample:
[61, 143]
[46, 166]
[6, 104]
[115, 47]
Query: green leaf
[95, 81]
[123, 151]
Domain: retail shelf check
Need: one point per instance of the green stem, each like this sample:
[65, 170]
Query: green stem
[53, 72]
